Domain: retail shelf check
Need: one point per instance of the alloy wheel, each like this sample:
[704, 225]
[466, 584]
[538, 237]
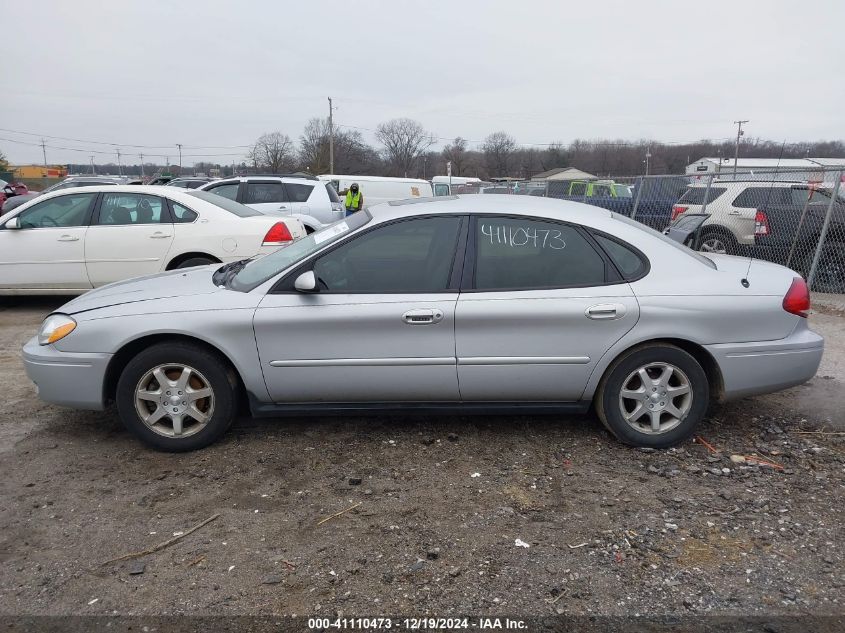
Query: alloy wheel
[174, 400]
[655, 398]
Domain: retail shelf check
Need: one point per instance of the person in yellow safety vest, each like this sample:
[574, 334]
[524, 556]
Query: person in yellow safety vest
[354, 199]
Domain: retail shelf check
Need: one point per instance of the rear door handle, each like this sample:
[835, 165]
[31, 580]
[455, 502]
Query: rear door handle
[282, 208]
[68, 238]
[158, 235]
[423, 316]
[605, 311]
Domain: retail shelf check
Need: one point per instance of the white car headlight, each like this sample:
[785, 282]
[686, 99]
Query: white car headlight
[55, 328]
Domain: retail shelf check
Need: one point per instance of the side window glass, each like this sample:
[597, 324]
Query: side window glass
[299, 192]
[578, 189]
[521, 254]
[263, 192]
[181, 214]
[409, 256]
[61, 211]
[130, 208]
[229, 190]
[627, 260]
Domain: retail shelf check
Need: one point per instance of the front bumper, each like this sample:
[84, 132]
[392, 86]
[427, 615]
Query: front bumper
[69, 379]
[750, 369]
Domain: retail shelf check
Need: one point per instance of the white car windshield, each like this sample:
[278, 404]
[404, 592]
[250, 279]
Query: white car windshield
[260, 270]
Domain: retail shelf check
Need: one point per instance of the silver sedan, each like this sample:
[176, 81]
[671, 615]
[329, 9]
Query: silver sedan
[495, 304]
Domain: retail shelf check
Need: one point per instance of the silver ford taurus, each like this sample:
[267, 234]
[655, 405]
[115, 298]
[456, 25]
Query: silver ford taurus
[492, 304]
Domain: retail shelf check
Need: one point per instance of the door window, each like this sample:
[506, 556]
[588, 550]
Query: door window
[521, 254]
[264, 192]
[131, 208]
[441, 190]
[62, 211]
[601, 191]
[578, 189]
[410, 256]
[228, 190]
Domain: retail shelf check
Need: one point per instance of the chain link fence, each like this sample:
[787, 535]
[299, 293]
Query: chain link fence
[795, 218]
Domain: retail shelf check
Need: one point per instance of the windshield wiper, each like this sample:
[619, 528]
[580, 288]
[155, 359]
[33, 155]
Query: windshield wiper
[223, 275]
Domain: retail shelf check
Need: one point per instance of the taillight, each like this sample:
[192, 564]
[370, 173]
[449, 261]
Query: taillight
[278, 234]
[677, 210]
[761, 223]
[797, 298]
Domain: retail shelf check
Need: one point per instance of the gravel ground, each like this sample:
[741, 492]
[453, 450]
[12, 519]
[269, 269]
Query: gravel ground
[500, 515]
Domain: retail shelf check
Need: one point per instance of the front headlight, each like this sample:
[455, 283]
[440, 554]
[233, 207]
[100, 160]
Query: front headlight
[55, 328]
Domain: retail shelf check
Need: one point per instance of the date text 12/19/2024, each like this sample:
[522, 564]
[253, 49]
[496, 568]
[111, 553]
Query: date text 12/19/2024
[415, 624]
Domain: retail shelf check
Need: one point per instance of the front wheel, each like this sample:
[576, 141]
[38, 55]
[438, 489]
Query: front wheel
[653, 396]
[177, 396]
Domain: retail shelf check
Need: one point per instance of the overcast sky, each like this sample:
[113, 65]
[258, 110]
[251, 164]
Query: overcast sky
[208, 73]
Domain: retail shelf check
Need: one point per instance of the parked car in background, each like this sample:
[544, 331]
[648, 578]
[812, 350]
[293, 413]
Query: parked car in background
[160, 180]
[190, 182]
[450, 185]
[313, 202]
[592, 189]
[472, 304]
[73, 240]
[378, 189]
[67, 183]
[734, 206]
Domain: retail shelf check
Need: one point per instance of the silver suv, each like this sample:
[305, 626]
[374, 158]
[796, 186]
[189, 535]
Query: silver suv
[314, 202]
[736, 210]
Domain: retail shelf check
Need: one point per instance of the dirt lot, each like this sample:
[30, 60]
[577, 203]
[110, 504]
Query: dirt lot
[528, 515]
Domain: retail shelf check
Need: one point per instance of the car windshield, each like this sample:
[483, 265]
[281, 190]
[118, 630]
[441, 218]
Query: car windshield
[260, 270]
[684, 249]
[235, 208]
[622, 191]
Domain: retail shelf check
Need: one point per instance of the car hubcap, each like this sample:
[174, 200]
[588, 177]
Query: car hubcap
[174, 400]
[655, 398]
[714, 245]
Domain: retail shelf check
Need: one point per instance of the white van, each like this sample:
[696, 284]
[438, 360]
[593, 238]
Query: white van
[378, 189]
[447, 185]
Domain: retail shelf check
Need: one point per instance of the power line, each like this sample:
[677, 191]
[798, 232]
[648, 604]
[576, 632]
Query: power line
[110, 153]
[79, 140]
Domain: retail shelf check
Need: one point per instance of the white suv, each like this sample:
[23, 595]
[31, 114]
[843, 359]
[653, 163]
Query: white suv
[314, 202]
[735, 211]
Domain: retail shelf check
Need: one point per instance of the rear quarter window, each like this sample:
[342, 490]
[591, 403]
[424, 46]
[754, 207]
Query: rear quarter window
[630, 263]
[754, 197]
[297, 192]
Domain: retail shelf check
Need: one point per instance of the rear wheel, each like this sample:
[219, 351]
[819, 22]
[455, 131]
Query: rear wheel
[653, 396]
[177, 397]
[715, 242]
[196, 261]
[830, 271]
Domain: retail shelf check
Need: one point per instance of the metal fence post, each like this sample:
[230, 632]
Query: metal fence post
[817, 256]
[640, 184]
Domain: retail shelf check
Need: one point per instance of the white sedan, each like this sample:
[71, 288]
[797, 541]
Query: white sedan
[76, 239]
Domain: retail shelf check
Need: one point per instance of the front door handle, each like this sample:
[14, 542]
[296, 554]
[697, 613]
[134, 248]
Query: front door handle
[68, 238]
[158, 235]
[422, 317]
[605, 311]
[282, 208]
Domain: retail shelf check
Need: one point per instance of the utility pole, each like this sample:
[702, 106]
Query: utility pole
[739, 133]
[647, 157]
[141, 158]
[179, 145]
[119, 168]
[93, 171]
[331, 137]
[44, 150]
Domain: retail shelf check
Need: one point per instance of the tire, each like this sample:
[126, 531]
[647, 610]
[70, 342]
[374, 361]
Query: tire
[196, 261]
[717, 242]
[830, 272]
[166, 362]
[676, 424]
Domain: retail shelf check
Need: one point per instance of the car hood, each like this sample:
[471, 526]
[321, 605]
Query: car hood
[175, 283]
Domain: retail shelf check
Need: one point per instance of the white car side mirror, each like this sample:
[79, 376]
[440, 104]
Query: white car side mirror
[306, 282]
[14, 224]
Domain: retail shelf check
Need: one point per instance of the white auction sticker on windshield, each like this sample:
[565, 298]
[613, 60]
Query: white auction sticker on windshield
[330, 232]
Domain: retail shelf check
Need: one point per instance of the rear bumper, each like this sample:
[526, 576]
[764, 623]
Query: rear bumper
[750, 369]
[67, 379]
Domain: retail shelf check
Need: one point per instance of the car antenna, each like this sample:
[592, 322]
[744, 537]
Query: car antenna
[744, 281]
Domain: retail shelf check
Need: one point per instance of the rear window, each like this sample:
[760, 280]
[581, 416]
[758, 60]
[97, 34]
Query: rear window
[235, 208]
[695, 195]
[299, 192]
[332, 193]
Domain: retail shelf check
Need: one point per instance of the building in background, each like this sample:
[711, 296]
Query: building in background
[805, 169]
[563, 173]
[39, 171]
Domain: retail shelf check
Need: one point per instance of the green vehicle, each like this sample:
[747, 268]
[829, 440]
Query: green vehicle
[596, 189]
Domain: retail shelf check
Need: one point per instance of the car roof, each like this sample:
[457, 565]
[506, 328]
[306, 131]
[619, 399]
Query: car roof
[327, 177]
[479, 204]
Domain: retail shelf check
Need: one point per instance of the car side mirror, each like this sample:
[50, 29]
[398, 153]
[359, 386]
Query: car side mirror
[306, 282]
[13, 224]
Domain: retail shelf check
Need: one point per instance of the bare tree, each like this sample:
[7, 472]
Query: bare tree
[404, 140]
[498, 148]
[456, 152]
[351, 154]
[273, 152]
